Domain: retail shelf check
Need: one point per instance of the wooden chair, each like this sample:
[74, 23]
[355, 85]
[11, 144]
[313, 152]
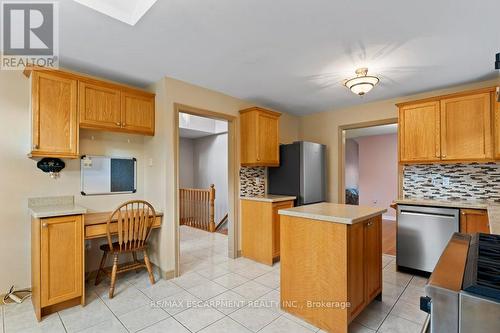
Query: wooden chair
[134, 220]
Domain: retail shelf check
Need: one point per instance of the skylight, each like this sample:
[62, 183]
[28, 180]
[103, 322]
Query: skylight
[128, 11]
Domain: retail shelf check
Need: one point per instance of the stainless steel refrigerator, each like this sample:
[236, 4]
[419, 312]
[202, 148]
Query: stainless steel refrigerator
[302, 172]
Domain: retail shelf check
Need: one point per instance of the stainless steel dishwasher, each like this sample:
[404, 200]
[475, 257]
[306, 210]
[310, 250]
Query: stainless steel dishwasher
[422, 235]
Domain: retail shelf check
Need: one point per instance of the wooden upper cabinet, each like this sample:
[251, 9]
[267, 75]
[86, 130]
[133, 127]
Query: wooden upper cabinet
[419, 132]
[138, 112]
[259, 137]
[62, 102]
[496, 127]
[54, 115]
[99, 106]
[466, 128]
[456, 127]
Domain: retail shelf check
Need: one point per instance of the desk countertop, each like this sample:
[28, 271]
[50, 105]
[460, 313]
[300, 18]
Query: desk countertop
[56, 210]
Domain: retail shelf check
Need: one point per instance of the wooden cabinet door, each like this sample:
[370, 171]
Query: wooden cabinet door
[248, 131]
[356, 268]
[496, 127]
[61, 259]
[466, 128]
[54, 115]
[259, 134]
[138, 113]
[474, 220]
[373, 257]
[276, 225]
[267, 139]
[99, 106]
[419, 132]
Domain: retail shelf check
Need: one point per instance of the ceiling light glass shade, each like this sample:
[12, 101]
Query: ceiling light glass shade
[363, 83]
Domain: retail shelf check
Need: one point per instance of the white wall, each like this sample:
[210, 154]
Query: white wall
[160, 181]
[20, 179]
[186, 161]
[378, 171]
[323, 127]
[210, 162]
[351, 164]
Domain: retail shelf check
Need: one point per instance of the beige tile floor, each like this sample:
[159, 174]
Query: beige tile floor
[214, 294]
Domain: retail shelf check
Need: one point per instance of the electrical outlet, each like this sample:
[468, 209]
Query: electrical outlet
[446, 181]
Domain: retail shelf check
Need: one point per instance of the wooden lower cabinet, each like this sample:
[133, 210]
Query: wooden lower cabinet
[261, 230]
[57, 259]
[474, 220]
[364, 263]
[330, 272]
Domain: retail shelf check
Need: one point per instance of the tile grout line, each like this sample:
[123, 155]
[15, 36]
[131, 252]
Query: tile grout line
[114, 314]
[392, 307]
[62, 322]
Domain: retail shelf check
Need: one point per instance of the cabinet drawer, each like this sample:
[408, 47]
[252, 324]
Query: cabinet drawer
[100, 230]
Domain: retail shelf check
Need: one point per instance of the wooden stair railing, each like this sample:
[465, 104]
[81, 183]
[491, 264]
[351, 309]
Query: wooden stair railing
[197, 208]
[221, 222]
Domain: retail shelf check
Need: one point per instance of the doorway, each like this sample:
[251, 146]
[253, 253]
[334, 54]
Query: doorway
[206, 188]
[370, 171]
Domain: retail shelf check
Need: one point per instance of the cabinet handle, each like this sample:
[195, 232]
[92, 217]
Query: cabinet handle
[123, 124]
[444, 155]
[35, 146]
[45, 225]
[118, 124]
[370, 223]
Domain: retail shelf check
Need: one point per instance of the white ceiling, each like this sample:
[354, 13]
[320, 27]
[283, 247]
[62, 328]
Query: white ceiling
[370, 131]
[128, 11]
[290, 55]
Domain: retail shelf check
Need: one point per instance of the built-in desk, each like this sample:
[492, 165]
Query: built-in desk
[96, 224]
[59, 229]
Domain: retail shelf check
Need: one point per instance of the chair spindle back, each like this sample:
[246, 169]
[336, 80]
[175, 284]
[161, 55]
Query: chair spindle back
[134, 221]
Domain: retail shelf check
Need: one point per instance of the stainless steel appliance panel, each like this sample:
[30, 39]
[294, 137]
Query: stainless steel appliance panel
[478, 314]
[422, 235]
[312, 177]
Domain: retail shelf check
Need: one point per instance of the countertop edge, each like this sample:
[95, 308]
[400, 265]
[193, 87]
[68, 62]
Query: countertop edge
[264, 199]
[77, 210]
[331, 219]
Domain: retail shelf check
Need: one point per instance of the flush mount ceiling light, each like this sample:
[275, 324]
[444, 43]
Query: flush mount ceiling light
[362, 83]
[128, 11]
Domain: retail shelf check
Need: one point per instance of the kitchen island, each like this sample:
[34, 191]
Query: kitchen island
[331, 262]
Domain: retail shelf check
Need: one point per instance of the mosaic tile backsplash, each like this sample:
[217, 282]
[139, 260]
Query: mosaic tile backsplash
[452, 181]
[249, 185]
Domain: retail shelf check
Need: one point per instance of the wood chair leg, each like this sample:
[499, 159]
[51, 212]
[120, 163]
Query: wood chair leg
[148, 267]
[134, 256]
[101, 267]
[113, 276]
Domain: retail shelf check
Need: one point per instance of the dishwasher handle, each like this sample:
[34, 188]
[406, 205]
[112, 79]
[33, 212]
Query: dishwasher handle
[448, 216]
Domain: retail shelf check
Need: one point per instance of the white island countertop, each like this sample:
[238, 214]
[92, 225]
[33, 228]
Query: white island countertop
[336, 213]
[270, 198]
